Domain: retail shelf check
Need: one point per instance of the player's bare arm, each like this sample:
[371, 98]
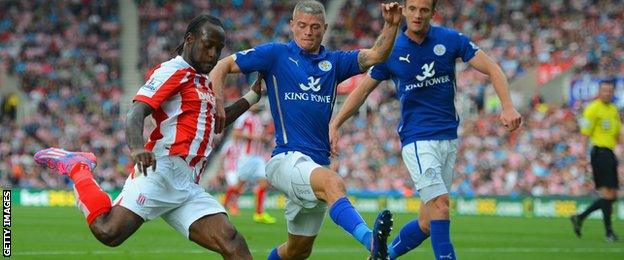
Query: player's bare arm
[383, 46]
[509, 116]
[219, 73]
[225, 66]
[353, 102]
[232, 112]
[134, 136]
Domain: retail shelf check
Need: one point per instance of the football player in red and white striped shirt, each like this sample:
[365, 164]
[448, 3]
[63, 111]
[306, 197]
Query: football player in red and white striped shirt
[188, 112]
[252, 141]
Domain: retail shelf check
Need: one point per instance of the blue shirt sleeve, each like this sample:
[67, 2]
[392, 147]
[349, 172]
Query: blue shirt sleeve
[348, 65]
[467, 49]
[380, 72]
[260, 58]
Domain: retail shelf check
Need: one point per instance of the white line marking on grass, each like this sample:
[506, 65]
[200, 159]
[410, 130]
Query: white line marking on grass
[336, 250]
[541, 250]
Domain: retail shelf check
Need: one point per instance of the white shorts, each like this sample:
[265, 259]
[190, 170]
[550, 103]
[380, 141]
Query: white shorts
[290, 173]
[251, 168]
[231, 178]
[169, 192]
[431, 164]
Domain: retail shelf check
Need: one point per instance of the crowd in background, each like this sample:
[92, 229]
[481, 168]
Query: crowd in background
[65, 55]
[546, 156]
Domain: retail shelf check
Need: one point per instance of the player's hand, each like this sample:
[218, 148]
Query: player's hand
[219, 115]
[143, 159]
[510, 118]
[257, 85]
[392, 13]
[333, 141]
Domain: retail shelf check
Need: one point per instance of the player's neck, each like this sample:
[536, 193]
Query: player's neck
[187, 57]
[419, 36]
[313, 52]
[606, 102]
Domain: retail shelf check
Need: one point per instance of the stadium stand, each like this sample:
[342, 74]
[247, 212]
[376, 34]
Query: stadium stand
[65, 56]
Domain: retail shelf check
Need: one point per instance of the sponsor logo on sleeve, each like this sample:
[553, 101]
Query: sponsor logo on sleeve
[152, 85]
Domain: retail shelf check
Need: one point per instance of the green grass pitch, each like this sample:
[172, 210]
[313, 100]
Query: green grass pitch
[62, 233]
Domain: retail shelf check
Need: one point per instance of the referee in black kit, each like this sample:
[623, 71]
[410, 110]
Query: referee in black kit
[601, 122]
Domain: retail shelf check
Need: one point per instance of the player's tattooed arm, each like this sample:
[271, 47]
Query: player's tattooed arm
[135, 121]
[383, 45]
[232, 112]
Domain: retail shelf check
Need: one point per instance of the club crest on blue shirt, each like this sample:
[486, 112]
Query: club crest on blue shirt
[439, 49]
[325, 65]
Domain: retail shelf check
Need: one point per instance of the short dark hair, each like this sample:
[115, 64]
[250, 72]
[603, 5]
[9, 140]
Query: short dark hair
[194, 26]
[607, 82]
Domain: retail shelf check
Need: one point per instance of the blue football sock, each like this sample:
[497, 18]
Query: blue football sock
[410, 237]
[440, 239]
[345, 215]
[273, 255]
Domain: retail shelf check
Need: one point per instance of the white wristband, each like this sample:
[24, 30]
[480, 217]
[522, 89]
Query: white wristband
[252, 97]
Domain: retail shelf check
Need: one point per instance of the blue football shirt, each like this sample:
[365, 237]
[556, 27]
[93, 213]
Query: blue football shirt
[302, 91]
[424, 76]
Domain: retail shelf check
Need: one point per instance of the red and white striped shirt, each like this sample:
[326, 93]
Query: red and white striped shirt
[250, 125]
[183, 103]
[230, 153]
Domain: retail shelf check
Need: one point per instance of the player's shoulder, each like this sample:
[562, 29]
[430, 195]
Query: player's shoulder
[168, 68]
[276, 47]
[176, 63]
[445, 32]
[592, 106]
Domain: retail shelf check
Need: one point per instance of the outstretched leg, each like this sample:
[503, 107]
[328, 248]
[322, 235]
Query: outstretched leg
[307, 185]
[110, 225]
[329, 187]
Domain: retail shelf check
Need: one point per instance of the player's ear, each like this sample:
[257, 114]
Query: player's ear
[189, 38]
[326, 25]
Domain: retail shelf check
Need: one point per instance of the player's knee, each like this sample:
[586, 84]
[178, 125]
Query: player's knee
[423, 222]
[335, 185]
[107, 235]
[439, 207]
[611, 194]
[231, 242]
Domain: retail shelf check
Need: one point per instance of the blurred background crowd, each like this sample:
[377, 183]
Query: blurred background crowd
[65, 56]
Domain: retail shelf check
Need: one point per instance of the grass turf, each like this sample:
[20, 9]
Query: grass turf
[62, 233]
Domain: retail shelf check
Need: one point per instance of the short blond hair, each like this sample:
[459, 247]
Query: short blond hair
[309, 7]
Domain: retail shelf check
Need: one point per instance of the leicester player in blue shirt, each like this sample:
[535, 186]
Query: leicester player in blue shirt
[422, 67]
[301, 78]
